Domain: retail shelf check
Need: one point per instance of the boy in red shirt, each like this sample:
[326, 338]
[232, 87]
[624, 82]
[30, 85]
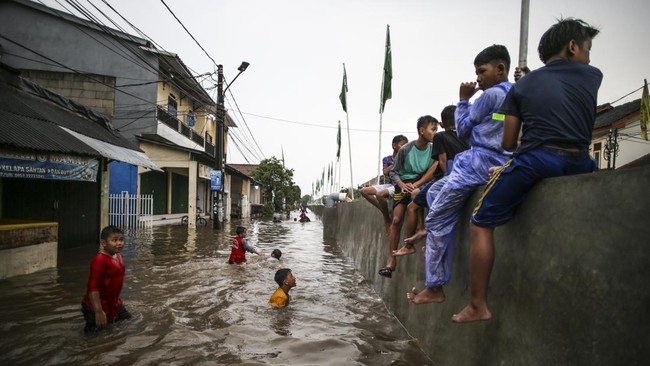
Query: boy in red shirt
[102, 304]
[240, 246]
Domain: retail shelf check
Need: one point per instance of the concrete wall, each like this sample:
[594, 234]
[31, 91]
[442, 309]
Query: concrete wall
[27, 247]
[569, 285]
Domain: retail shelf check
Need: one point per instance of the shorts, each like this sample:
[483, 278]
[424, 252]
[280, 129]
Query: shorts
[510, 184]
[89, 315]
[400, 198]
[421, 198]
[382, 187]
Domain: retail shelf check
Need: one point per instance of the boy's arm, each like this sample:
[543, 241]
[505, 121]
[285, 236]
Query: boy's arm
[249, 248]
[464, 124]
[100, 316]
[428, 175]
[388, 169]
[397, 165]
[442, 160]
[511, 127]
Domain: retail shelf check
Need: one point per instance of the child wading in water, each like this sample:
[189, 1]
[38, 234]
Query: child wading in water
[286, 281]
[240, 246]
[102, 303]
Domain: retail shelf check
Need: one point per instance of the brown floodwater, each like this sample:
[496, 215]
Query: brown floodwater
[191, 308]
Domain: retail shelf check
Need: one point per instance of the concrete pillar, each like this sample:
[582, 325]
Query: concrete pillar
[169, 192]
[191, 193]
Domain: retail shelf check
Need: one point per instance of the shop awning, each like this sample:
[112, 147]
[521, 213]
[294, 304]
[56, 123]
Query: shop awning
[114, 152]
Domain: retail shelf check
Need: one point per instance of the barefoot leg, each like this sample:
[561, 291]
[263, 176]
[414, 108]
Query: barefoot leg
[395, 229]
[427, 296]
[481, 260]
[420, 234]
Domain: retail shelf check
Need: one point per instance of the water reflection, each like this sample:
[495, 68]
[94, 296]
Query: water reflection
[191, 308]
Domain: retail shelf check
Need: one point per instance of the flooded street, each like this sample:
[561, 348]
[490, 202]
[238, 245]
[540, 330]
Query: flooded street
[191, 308]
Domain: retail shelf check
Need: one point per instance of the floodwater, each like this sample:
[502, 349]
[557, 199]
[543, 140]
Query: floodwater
[191, 308]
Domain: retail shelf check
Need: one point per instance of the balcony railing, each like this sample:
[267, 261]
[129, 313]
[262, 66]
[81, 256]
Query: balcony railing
[183, 129]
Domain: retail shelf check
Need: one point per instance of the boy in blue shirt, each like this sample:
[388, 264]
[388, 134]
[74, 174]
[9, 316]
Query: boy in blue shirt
[474, 122]
[556, 105]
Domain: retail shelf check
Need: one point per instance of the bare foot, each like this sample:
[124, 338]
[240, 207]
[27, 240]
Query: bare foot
[472, 313]
[420, 234]
[426, 296]
[405, 250]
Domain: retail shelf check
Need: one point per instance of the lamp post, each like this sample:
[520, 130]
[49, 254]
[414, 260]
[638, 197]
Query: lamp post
[217, 189]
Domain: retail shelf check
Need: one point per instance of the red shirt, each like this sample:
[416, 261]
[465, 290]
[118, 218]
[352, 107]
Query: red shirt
[106, 277]
[237, 251]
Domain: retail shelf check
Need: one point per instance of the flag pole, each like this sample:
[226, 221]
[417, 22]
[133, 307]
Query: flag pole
[347, 120]
[523, 34]
[386, 92]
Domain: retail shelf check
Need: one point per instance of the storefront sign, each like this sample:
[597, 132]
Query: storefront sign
[205, 171]
[47, 166]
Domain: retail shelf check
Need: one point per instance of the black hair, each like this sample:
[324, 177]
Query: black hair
[110, 230]
[425, 121]
[240, 230]
[276, 253]
[561, 33]
[281, 275]
[399, 138]
[448, 115]
[492, 54]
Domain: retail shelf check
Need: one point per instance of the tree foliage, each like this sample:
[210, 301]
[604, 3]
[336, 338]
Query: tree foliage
[277, 182]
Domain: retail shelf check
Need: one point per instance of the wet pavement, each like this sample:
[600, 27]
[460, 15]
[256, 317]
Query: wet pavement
[191, 308]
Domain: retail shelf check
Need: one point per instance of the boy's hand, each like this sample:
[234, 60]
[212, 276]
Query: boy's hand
[467, 90]
[100, 318]
[409, 187]
[519, 72]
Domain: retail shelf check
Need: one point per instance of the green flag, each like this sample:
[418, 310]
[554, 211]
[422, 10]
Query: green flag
[388, 73]
[645, 111]
[344, 90]
[338, 143]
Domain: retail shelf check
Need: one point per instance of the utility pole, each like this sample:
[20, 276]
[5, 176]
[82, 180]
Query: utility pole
[218, 186]
[217, 193]
[611, 148]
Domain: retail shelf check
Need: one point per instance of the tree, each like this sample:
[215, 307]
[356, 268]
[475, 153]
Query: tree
[277, 182]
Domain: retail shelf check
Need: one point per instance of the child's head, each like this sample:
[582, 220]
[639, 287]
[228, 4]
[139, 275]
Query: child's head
[284, 278]
[447, 117]
[427, 127]
[492, 66]
[241, 231]
[398, 142]
[569, 38]
[276, 253]
[112, 239]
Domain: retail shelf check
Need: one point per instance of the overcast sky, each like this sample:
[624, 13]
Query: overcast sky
[296, 48]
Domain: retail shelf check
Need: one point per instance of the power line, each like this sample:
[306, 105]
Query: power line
[244, 134]
[188, 32]
[246, 124]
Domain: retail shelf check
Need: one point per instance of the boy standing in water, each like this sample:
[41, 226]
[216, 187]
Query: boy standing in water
[556, 105]
[102, 303]
[240, 246]
[479, 124]
[286, 282]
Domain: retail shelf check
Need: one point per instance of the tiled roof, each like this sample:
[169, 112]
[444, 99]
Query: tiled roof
[610, 116]
[244, 169]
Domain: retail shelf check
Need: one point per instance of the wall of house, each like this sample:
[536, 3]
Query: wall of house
[569, 285]
[136, 75]
[631, 146]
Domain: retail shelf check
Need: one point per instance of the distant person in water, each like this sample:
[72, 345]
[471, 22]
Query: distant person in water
[304, 218]
[275, 255]
[102, 303]
[240, 246]
[285, 280]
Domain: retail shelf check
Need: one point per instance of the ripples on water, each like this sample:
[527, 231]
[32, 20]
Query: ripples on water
[191, 308]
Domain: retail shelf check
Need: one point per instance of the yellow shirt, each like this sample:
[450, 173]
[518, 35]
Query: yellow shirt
[279, 299]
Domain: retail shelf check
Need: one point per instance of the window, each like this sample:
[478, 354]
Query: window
[597, 148]
[172, 106]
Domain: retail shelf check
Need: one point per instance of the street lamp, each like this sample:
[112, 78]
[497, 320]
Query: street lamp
[217, 192]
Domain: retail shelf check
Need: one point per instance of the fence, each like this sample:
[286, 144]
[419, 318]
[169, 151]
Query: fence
[130, 211]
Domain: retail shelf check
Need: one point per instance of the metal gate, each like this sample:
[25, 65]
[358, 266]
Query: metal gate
[130, 211]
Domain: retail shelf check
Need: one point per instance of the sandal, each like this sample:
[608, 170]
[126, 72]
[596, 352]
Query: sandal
[386, 272]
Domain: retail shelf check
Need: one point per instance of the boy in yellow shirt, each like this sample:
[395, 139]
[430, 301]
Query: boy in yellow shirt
[286, 281]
